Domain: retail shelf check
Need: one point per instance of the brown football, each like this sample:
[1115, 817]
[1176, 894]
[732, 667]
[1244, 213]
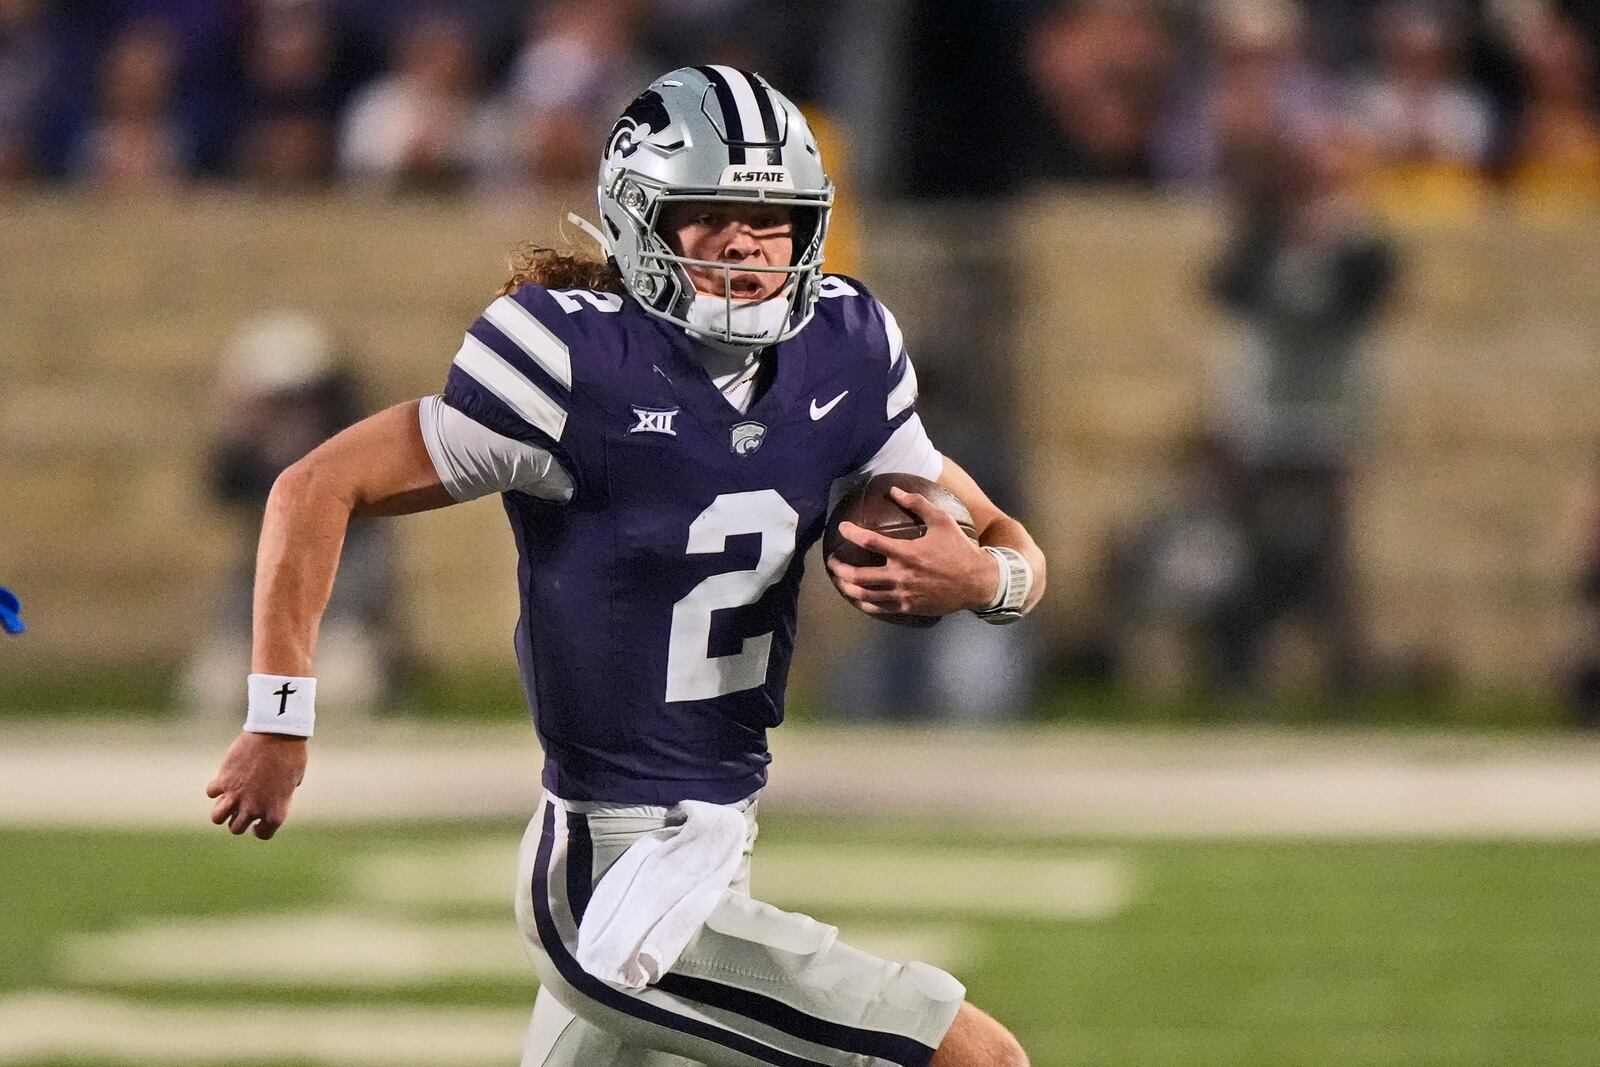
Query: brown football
[869, 505]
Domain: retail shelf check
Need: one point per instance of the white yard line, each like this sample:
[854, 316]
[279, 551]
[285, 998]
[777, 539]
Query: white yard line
[475, 874]
[346, 951]
[325, 948]
[65, 1026]
[1219, 783]
[987, 885]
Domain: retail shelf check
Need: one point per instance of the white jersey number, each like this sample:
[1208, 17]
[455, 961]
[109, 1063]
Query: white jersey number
[572, 300]
[692, 674]
[832, 287]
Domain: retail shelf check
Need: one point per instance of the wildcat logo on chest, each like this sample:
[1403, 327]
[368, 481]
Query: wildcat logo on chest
[747, 437]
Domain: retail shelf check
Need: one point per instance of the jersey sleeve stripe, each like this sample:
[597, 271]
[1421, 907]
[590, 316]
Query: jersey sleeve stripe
[492, 371]
[533, 337]
[899, 368]
[897, 341]
[904, 394]
[495, 340]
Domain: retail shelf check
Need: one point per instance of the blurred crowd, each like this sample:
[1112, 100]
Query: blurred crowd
[1441, 103]
[298, 94]
[1447, 101]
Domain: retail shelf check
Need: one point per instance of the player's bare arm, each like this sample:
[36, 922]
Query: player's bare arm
[942, 571]
[379, 466]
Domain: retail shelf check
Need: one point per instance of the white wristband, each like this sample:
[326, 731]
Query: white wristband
[1016, 582]
[1002, 583]
[279, 704]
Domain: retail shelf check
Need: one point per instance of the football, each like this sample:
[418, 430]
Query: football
[869, 505]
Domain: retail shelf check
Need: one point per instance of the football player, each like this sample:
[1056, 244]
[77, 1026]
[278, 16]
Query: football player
[666, 430]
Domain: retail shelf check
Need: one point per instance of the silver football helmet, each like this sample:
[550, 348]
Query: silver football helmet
[721, 134]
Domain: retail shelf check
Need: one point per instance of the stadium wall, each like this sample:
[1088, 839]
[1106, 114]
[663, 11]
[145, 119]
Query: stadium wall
[115, 315]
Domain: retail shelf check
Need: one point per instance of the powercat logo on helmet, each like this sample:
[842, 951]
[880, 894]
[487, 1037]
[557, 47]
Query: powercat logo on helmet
[758, 177]
[645, 117]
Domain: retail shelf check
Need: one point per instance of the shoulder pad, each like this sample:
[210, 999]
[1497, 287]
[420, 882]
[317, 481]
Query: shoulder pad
[849, 303]
[581, 301]
[837, 286]
[514, 369]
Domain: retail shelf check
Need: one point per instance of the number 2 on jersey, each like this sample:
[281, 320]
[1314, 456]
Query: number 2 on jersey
[572, 300]
[692, 673]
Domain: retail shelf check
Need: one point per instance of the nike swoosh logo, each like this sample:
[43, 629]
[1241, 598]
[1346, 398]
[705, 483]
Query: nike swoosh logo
[818, 412]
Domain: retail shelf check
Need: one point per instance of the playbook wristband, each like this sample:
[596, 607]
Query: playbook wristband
[281, 704]
[1016, 582]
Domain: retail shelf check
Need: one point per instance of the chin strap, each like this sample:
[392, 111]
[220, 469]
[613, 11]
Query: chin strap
[589, 228]
[714, 319]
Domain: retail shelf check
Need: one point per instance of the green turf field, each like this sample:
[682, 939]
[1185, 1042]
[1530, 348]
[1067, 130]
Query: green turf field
[1095, 951]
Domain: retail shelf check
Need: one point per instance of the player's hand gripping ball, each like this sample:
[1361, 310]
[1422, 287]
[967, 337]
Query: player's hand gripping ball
[870, 506]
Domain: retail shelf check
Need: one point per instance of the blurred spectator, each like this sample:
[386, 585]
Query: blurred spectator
[580, 68]
[1304, 275]
[283, 393]
[1255, 84]
[200, 39]
[1431, 128]
[135, 142]
[25, 55]
[382, 20]
[1582, 683]
[739, 33]
[1554, 154]
[957, 303]
[1098, 69]
[419, 126]
[1179, 578]
[954, 123]
[286, 133]
[962, 672]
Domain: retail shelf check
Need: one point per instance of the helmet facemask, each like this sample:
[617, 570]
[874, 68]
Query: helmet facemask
[661, 278]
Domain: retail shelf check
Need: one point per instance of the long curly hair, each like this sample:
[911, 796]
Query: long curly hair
[531, 263]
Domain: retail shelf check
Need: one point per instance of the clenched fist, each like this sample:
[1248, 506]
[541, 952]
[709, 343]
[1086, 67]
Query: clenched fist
[258, 777]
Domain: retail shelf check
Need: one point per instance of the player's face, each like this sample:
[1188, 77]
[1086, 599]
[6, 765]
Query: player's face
[755, 235]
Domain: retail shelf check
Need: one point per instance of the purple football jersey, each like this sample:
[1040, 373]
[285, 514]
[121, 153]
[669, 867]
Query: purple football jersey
[658, 605]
